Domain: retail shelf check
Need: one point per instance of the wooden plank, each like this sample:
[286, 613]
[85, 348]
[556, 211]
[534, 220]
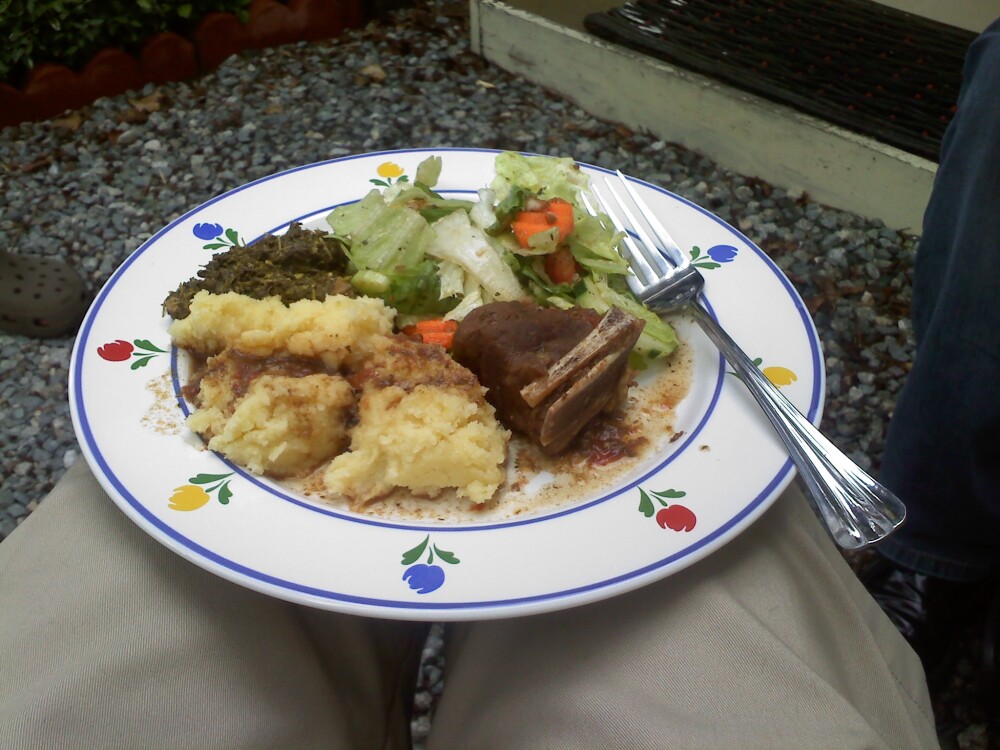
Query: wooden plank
[739, 131]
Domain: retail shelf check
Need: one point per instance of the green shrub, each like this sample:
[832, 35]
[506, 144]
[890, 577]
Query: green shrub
[70, 32]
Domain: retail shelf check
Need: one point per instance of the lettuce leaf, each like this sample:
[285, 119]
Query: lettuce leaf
[658, 338]
[544, 176]
[458, 240]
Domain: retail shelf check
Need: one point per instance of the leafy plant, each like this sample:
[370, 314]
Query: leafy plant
[70, 32]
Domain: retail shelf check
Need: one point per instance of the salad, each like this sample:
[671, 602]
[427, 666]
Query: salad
[528, 234]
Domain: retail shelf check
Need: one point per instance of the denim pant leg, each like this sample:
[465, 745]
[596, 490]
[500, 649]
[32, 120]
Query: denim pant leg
[942, 455]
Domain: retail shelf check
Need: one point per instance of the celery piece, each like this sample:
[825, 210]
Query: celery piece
[370, 283]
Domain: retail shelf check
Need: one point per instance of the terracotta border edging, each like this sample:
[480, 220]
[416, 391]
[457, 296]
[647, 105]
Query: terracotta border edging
[52, 89]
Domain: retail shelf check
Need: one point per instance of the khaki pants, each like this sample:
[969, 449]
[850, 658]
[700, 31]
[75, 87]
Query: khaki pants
[109, 640]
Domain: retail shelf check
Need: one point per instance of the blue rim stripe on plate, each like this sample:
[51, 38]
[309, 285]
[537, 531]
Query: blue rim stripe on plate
[780, 478]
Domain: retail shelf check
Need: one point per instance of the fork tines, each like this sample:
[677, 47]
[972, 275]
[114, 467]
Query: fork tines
[651, 260]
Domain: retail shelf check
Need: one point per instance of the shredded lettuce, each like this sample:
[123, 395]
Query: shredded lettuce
[452, 279]
[542, 289]
[458, 240]
[355, 218]
[425, 254]
[429, 171]
[482, 214]
[386, 242]
[594, 245]
[544, 176]
[472, 298]
[429, 204]
[396, 238]
[417, 290]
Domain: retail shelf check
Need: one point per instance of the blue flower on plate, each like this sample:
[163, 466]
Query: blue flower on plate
[722, 253]
[715, 257]
[207, 231]
[424, 578]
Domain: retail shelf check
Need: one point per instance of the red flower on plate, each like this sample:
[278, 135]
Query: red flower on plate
[116, 351]
[143, 350]
[670, 515]
[676, 517]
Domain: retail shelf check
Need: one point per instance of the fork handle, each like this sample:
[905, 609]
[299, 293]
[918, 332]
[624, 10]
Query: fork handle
[856, 509]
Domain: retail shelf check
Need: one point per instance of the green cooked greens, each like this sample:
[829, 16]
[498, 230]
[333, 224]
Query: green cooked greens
[300, 264]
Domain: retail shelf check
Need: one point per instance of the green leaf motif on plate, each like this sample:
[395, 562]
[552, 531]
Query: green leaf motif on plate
[140, 351]
[670, 515]
[196, 494]
[426, 577]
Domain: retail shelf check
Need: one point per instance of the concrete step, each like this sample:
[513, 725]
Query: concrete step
[546, 43]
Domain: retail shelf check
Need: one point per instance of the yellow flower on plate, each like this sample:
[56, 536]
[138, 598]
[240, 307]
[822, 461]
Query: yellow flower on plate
[188, 497]
[389, 169]
[780, 376]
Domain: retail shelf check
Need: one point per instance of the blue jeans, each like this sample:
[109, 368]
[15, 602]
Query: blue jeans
[942, 454]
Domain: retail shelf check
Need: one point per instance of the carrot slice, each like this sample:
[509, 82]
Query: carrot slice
[556, 213]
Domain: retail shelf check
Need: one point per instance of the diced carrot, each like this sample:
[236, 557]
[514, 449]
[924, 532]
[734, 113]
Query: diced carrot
[556, 213]
[564, 216]
[443, 338]
[435, 331]
[436, 324]
[526, 226]
[561, 266]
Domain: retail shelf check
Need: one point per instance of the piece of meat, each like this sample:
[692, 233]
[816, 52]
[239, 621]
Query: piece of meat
[548, 372]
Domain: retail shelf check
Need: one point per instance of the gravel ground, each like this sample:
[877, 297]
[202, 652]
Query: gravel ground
[92, 186]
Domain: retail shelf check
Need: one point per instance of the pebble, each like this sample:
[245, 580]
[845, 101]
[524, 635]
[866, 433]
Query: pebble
[95, 198]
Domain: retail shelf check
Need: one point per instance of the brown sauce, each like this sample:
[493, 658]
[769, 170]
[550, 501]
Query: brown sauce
[245, 368]
[609, 438]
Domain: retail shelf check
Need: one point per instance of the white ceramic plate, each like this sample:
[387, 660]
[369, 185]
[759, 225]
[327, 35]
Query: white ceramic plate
[677, 507]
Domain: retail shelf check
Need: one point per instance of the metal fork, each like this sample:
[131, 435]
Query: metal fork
[855, 508]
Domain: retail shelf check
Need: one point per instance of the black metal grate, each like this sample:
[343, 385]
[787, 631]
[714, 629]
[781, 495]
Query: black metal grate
[875, 70]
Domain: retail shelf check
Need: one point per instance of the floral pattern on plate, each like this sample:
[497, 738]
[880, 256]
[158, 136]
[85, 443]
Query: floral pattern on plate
[198, 492]
[778, 375]
[426, 577]
[120, 350]
[670, 515]
[725, 458]
[389, 171]
[714, 257]
[220, 237]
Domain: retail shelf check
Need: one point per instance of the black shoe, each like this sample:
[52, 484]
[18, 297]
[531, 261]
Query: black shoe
[927, 611]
